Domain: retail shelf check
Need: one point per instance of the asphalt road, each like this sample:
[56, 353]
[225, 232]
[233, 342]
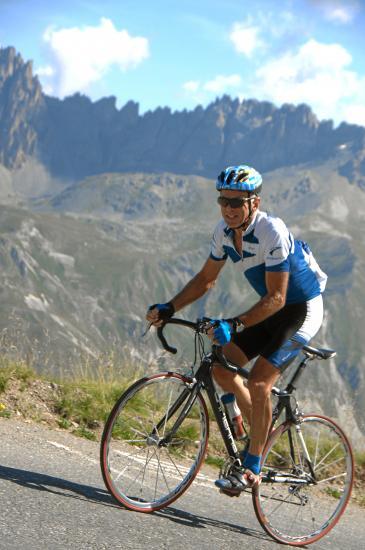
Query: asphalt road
[53, 497]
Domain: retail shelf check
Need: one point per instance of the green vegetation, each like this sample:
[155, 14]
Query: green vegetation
[83, 403]
[15, 370]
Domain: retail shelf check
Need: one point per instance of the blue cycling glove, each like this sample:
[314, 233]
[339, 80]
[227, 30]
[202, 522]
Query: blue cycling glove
[165, 311]
[222, 331]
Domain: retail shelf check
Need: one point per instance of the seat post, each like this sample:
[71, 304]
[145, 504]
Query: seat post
[297, 374]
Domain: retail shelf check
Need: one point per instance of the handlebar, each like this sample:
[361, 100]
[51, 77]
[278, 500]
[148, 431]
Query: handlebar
[200, 326]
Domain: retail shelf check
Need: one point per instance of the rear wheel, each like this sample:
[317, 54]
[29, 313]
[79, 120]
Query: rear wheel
[308, 474]
[144, 464]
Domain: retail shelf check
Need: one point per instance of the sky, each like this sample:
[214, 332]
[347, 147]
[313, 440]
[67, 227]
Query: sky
[184, 53]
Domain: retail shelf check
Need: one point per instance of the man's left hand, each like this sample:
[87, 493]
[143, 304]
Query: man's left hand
[222, 331]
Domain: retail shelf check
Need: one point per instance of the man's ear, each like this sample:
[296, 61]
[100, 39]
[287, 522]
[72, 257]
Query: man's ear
[256, 202]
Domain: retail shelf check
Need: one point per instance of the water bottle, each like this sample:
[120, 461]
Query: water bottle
[234, 415]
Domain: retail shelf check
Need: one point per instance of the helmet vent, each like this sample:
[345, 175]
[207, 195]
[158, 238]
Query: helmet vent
[242, 176]
[221, 176]
[230, 177]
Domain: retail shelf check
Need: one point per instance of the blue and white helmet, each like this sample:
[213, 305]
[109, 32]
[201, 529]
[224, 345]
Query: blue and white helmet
[240, 178]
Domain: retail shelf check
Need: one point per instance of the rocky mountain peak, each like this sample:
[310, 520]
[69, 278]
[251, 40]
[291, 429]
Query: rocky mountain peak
[21, 101]
[77, 137]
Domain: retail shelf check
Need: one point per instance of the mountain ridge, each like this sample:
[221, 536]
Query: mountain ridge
[75, 137]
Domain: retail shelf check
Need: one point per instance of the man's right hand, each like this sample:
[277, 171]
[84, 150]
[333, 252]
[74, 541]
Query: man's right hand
[158, 313]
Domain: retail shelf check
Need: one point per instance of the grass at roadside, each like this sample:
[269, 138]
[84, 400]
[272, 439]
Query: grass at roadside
[82, 404]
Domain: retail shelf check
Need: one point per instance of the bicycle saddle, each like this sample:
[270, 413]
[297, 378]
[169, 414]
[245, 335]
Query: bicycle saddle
[320, 353]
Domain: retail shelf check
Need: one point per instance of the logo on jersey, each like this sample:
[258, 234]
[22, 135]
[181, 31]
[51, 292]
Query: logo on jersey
[274, 249]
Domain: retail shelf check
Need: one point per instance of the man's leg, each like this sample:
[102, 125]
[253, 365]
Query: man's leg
[230, 382]
[255, 403]
[261, 380]
[263, 377]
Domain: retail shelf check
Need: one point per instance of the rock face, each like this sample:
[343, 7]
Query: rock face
[75, 137]
[21, 102]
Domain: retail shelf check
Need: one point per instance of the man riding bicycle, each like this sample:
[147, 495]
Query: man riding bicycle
[284, 273]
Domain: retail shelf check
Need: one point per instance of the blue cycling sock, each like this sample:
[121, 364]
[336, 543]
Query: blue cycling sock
[243, 454]
[252, 462]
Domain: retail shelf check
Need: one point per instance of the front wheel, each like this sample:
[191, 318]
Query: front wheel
[308, 474]
[154, 442]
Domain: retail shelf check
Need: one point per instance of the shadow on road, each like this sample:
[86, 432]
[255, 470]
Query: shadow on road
[70, 489]
[43, 482]
[195, 520]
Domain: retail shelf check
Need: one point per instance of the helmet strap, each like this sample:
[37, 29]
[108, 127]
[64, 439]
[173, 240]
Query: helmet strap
[248, 220]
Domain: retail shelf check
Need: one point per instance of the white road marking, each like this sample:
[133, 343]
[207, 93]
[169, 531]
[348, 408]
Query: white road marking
[201, 479]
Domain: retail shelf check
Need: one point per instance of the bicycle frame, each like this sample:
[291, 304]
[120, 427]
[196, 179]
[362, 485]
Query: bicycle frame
[203, 380]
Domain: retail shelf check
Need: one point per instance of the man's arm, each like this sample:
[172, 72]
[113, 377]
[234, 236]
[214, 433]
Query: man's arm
[273, 301]
[195, 288]
[199, 284]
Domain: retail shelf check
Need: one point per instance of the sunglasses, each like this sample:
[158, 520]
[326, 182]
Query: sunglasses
[235, 202]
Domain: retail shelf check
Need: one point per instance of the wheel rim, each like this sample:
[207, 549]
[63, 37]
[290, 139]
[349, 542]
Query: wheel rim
[298, 511]
[140, 473]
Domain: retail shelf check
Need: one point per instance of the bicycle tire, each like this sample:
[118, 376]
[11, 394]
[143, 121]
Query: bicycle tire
[140, 474]
[300, 512]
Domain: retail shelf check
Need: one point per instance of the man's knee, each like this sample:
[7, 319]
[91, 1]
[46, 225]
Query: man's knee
[222, 376]
[260, 390]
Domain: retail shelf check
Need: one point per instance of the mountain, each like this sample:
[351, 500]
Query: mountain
[104, 211]
[74, 138]
[79, 269]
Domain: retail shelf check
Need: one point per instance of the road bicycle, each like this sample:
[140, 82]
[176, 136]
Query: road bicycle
[155, 440]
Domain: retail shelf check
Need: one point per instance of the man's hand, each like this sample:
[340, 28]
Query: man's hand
[221, 331]
[158, 313]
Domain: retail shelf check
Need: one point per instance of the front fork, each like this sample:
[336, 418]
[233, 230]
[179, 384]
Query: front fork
[164, 441]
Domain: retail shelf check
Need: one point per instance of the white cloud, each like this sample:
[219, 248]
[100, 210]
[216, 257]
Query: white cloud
[245, 38]
[83, 55]
[203, 92]
[191, 86]
[316, 74]
[44, 71]
[354, 113]
[341, 15]
[337, 11]
[221, 84]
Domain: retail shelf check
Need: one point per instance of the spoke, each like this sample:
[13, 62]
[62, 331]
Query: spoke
[283, 501]
[296, 515]
[131, 418]
[316, 445]
[330, 478]
[175, 465]
[132, 480]
[131, 457]
[282, 457]
[158, 467]
[328, 454]
[144, 471]
[162, 471]
[330, 464]
[312, 511]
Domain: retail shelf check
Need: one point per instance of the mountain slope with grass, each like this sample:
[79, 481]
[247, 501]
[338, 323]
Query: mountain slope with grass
[80, 267]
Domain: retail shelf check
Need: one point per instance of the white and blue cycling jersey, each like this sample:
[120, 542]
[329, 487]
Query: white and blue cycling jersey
[268, 245]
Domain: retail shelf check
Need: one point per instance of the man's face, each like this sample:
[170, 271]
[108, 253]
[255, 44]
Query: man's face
[234, 217]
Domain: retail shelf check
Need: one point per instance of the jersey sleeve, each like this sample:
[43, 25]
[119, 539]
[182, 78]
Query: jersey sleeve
[217, 251]
[278, 246]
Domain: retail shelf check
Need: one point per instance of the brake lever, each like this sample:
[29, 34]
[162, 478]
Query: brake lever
[149, 325]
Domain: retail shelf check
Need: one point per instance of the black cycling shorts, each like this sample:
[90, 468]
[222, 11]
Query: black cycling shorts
[272, 338]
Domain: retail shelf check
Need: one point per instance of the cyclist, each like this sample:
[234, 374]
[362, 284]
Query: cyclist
[289, 312]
